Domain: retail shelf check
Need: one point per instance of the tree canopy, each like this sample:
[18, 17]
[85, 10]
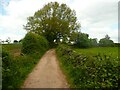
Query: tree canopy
[54, 21]
[15, 41]
[106, 41]
[8, 40]
[82, 40]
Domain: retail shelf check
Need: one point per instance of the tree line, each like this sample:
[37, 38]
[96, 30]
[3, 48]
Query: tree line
[83, 41]
[8, 41]
[58, 24]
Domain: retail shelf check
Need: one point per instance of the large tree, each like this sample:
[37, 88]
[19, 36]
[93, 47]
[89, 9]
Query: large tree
[8, 40]
[82, 40]
[54, 21]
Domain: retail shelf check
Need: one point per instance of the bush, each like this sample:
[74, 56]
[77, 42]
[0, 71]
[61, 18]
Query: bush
[33, 43]
[100, 71]
[6, 68]
[15, 70]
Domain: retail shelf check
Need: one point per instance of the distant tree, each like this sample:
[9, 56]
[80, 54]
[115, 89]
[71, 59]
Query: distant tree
[0, 41]
[82, 41]
[106, 41]
[54, 21]
[93, 42]
[8, 40]
[116, 45]
[20, 41]
[107, 37]
[74, 36]
[15, 41]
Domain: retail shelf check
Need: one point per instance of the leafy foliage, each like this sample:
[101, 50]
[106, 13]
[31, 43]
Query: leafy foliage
[54, 21]
[6, 65]
[34, 43]
[82, 40]
[99, 71]
[15, 41]
[20, 41]
[16, 69]
[106, 41]
[93, 42]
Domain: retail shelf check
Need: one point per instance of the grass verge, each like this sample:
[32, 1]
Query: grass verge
[100, 71]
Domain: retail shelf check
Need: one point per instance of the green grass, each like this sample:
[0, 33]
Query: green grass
[90, 68]
[10, 47]
[13, 49]
[110, 51]
[16, 69]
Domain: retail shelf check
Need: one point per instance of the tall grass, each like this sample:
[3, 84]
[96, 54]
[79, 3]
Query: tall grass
[12, 49]
[9, 47]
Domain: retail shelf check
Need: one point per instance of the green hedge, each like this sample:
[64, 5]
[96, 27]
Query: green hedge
[83, 72]
[33, 43]
[15, 70]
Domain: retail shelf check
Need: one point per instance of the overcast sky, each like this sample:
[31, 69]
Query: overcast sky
[97, 17]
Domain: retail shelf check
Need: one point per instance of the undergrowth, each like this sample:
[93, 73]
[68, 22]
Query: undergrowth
[100, 71]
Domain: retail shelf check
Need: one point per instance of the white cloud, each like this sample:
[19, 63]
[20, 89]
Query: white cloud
[96, 16]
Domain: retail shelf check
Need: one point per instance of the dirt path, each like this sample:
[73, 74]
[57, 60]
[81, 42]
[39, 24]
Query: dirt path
[46, 74]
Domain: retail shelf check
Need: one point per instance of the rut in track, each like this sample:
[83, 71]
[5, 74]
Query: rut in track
[46, 74]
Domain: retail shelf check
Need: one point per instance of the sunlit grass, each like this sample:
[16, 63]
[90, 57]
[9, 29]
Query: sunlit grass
[110, 51]
[13, 49]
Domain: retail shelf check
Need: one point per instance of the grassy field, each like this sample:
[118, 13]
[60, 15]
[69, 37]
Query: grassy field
[110, 51]
[13, 49]
[10, 47]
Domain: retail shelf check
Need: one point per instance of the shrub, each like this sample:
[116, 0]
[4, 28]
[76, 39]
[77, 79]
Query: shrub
[6, 68]
[15, 70]
[33, 43]
[100, 71]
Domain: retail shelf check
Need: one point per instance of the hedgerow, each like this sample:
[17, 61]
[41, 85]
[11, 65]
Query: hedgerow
[16, 69]
[100, 71]
[33, 43]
